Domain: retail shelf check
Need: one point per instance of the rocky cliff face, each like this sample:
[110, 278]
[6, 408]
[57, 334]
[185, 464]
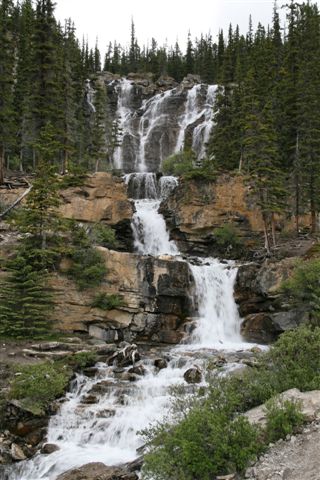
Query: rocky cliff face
[155, 293]
[264, 308]
[196, 208]
[157, 119]
[102, 198]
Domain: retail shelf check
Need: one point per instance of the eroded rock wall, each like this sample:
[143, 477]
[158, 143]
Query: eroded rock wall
[155, 294]
[197, 207]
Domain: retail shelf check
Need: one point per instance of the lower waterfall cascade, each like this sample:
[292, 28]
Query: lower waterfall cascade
[106, 431]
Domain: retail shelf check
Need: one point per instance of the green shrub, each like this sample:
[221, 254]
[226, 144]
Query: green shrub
[38, 385]
[103, 235]
[76, 177]
[204, 443]
[107, 302]
[283, 418]
[227, 238]
[183, 164]
[304, 286]
[83, 359]
[295, 359]
[209, 436]
[88, 268]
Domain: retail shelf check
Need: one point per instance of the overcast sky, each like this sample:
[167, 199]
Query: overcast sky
[162, 19]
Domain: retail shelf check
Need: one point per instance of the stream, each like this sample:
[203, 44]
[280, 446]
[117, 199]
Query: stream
[105, 430]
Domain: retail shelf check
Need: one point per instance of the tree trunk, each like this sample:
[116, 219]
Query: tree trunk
[1, 164]
[96, 169]
[266, 236]
[273, 230]
[21, 161]
[65, 162]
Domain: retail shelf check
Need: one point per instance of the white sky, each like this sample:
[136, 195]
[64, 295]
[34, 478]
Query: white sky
[162, 19]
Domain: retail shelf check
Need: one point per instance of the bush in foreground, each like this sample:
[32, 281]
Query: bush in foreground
[209, 435]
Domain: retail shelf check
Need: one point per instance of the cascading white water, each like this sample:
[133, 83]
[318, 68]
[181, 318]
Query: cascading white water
[218, 324]
[154, 112]
[201, 133]
[106, 431]
[156, 128]
[190, 115]
[124, 113]
[150, 233]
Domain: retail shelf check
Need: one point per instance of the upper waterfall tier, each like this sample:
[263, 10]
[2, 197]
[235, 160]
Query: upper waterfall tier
[154, 127]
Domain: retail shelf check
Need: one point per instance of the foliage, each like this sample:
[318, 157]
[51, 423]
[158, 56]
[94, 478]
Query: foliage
[227, 238]
[209, 436]
[295, 359]
[205, 443]
[103, 235]
[88, 268]
[25, 300]
[81, 360]
[184, 164]
[283, 418]
[38, 385]
[304, 288]
[107, 302]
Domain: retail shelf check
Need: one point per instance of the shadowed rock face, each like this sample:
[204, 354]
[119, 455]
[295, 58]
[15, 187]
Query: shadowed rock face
[155, 293]
[158, 119]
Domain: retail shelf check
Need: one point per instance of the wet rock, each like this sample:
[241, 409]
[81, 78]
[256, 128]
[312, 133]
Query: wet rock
[95, 471]
[193, 375]
[17, 453]
[106, 413]
[160, 363]
[89, 399]
[91, 371]
[138, 370]
[49, 448]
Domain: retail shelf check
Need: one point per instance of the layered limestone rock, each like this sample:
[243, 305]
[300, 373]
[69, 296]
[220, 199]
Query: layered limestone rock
[102, 198]
[262, 304]
[196, 208]
[155, 293]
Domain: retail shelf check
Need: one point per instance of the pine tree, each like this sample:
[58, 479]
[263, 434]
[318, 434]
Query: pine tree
[25, 300]
[6, 81]
[40, 217]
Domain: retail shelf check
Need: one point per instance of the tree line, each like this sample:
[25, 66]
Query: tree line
[266, 114]
[266, 111]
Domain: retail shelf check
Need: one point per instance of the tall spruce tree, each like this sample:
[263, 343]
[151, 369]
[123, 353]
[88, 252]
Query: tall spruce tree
[25, 300]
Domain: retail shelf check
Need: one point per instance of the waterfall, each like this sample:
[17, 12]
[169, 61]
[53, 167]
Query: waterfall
[151, 236]
[218, 323]
[124, 115]
[106, 431]
[154, 128]
[155, 113]
[189, 116]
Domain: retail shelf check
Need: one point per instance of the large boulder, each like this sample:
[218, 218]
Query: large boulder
[97, 471]
[309, 403]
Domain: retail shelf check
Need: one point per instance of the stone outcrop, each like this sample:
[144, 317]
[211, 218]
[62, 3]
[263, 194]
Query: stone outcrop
[102, 198]
[309, 403]
[95, 471]
[155, 293]
[262, 304]
[197, 207]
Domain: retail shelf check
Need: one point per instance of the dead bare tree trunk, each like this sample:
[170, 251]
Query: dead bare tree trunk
[1, 164]
[16, 202]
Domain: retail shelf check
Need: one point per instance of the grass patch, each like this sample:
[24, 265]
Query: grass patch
[36, 386]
